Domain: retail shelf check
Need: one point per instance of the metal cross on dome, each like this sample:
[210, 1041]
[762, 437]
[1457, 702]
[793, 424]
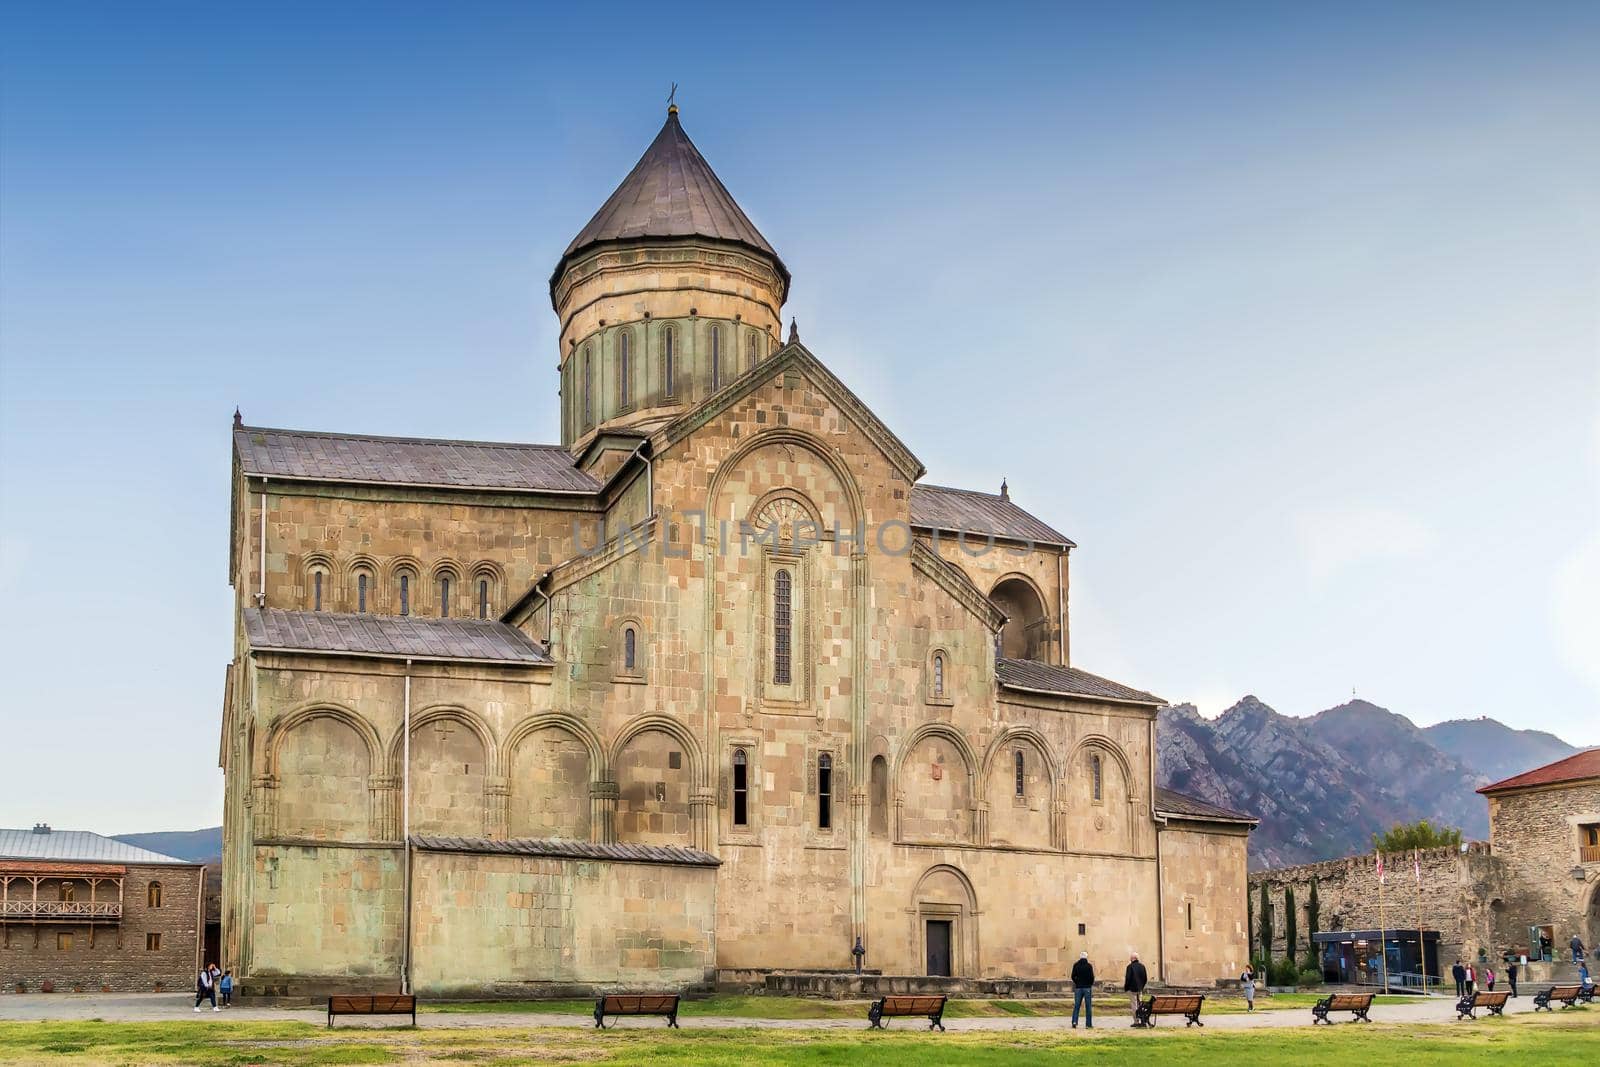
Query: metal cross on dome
[671, 95]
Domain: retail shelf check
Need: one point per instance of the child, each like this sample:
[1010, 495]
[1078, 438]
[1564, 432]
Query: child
[227, 989]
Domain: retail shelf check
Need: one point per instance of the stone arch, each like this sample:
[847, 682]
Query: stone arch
[796, 438]
[549, 794]
[321, 760]
[655, 800]
[1104, 824]
[444, 568]
[411, 568]
[944, 894]
[937, 805]
[1592, 914]
[311, 565]
[358, 565]
[487, 571]
[454, 762]
[1026, 819]
[1026, 633]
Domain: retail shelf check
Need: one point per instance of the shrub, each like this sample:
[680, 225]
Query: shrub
[1310, 976]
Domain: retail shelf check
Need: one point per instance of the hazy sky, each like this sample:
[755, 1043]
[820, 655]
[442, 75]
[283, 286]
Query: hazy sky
[1288, 317]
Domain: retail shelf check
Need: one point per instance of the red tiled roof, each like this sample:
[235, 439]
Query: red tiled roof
[1572, 769]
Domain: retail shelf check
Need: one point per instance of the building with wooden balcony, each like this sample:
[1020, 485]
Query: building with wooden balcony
[80, 912]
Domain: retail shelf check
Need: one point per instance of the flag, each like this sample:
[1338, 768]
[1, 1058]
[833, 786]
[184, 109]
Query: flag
[1380, 869]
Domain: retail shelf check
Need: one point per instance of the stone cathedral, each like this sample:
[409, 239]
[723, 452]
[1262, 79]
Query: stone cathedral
[708, 690]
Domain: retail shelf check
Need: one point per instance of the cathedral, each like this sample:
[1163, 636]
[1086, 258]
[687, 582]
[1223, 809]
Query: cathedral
[710, 689]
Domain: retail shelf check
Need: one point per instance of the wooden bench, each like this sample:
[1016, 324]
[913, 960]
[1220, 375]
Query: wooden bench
[1567, 994]
[617, 1004]
[1356, 1003]
[1186, 1005]
[930, 1008]
[1493, 1003]
[373, 1004]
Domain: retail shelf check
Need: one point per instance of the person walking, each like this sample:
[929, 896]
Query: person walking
[1083, 991]
[1247, 982]
[1511, 975]
[1576, 944]
[1472, 980]
[205, 988]
[1133, 982]
[1488, 979]
[1459, 973]
[226, 985]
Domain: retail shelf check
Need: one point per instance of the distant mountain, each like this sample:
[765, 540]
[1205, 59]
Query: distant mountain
[196, 846]
[1323, 785]
[1494, 748]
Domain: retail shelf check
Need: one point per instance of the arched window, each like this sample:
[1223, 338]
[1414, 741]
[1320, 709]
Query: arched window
[483, 598]
[152, 895]
[1017, 760]
[824, 792]
[667, 356]
[938, 674]
[630, 649]
[588, 387]
[1096, 777]
[444, 596]
[750, 352]
[67, 892]
[405, 593]
[878, 817]
[716, 358]
[316, 590]
[741, 788]
[782, 602]
[625, 368]
[361, 592]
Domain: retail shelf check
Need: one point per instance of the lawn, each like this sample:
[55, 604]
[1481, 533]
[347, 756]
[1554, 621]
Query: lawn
[1547, 1041]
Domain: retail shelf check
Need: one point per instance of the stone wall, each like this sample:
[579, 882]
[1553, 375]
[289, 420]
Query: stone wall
[1536, 836]
[325, 910]
[1204, 921]
[1460, 887]
[116, 957]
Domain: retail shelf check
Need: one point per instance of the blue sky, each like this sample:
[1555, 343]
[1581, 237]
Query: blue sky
[1285, 313]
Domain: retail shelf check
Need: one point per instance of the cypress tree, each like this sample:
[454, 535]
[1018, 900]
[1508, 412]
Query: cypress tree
[1266, 926]
[1291, 940]
[1313, 918]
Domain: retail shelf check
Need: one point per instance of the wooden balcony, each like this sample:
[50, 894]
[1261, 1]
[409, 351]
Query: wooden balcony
[60, 911]
[1589, 853]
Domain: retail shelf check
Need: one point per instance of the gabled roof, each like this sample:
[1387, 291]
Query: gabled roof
[1030, 676]
[792, 356]
[1574, 768]
[977, 515]
[391, 637]
[1182, 805]
[564, 849]
[302, 455]
[77, 846]
[671, 192]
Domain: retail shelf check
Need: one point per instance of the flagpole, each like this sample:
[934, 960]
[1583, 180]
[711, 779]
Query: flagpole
[1383, 938]
[1422, 948]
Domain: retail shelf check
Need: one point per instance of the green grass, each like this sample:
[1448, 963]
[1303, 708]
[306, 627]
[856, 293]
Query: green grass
[1547, 1041]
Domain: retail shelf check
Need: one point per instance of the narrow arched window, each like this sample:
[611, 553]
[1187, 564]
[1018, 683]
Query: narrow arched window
[630, 649]
[1016, 759]
[750, 352]
[361, 593]
[483, 598]
[67, 892]
[316, 590]
[405, 594]
[667, 356]
[588, 386]
[938, 674]
[741, 788]
[824, 792]
[152, 895]
[782, 611]
[1097, 777]
[716, 358]
[625, 368]
[444, 596]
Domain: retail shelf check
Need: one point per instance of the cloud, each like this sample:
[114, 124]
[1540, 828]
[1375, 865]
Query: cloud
[1335, 539]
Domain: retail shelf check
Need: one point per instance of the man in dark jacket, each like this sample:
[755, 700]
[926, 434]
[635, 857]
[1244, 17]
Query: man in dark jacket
[1511, 973]
[1459, 973]
[1133, 982]
[1083, 991]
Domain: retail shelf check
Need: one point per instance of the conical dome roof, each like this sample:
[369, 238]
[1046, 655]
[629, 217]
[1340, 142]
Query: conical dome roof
[671, 192]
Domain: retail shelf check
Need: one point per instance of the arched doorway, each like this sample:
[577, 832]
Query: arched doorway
[944, 915]
[1593, 937]
[1026, 634]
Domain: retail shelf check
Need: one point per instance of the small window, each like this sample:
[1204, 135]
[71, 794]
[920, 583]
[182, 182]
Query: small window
[750, 352]
[1097, 777]
[405, 594]
[444, 597]
[938, 674]
[588, 387]
[483, 598]
[66, 892]
[64, 941]
[630, 649]
[361, 593]
[825, 791]
[782, 607]
[152, 942]
[625, 368]
[1016, 760]
[667, 356]
[152, 894]
[316, 590]
[741, 788]
[1189, 914]
[716, 358]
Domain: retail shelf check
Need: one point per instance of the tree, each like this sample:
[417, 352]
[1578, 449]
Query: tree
[1290, 939]
[1266, 925]
[1402, 837]
[1313, 918]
